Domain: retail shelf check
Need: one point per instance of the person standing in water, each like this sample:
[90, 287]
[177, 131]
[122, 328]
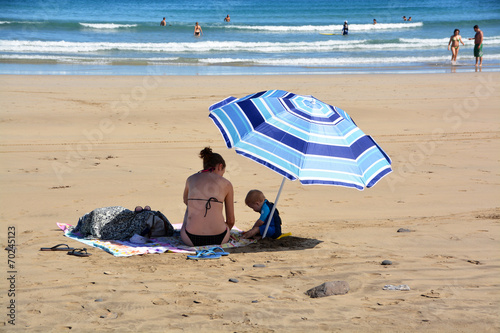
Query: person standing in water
[197, 30]
[455, 41]
[345, 28]
[478, 45]
[163, 22]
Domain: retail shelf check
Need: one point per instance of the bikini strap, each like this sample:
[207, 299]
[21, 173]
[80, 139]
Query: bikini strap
[208, 205]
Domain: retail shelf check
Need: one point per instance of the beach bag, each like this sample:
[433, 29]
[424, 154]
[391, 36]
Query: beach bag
[119, 223]
[158, 226]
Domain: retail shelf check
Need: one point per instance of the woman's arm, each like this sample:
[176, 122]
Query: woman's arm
[186, 192]
[229, 204]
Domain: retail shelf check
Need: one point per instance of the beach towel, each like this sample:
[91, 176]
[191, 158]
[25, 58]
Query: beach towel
[122, 248]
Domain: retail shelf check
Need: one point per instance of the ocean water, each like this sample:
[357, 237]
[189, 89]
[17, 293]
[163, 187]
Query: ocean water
[263, 37]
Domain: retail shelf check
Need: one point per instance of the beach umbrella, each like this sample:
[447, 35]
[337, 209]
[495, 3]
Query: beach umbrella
[300, 137]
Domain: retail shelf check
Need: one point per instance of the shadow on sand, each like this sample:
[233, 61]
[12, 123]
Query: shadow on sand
[289, 243]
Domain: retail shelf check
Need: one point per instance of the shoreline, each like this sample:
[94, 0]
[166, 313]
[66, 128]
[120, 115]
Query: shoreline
[231, 70]
[73, 143]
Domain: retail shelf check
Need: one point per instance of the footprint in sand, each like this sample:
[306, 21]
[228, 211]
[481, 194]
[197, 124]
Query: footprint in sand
[159, 301]
[148, 269]
[431, 294]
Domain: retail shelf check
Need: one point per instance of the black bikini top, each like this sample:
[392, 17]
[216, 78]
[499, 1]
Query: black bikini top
[208, 205]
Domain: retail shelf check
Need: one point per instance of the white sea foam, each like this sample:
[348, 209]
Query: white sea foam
[282, 28]
[107, 25]
[209, 46]
[438, 42]
[384, 26]
[328, 28]
[85, 60]
[335, 62]
[303, 62]
[349, 61]
[57, 58]
[4, 22]
[230, 46]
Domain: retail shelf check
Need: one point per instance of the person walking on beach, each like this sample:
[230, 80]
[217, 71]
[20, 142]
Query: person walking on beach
[197, 30]
[478, 45]
[163, 23]
[455, 41]
[345, 28]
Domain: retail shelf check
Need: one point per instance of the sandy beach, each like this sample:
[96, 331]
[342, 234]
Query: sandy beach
[70, 144]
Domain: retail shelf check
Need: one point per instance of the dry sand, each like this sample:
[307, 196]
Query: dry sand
[70, 144]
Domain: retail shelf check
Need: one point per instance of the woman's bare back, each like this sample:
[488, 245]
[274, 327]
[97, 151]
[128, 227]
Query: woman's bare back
[204, 196]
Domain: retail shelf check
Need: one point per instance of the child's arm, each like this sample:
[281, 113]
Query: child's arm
[254, 231]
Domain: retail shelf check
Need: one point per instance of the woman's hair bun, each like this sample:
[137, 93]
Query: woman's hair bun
[211, 159]
[206, 152]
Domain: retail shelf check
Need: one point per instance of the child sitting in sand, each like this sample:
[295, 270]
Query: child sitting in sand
[257, 201]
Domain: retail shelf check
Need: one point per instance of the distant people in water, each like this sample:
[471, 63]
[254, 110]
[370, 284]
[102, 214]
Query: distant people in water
[478, 45]
[404, 18]
[163, 22]
[374, 21]
[227, 18]
[454, 42]
[345, 28]
[409, 18]
[197, 30]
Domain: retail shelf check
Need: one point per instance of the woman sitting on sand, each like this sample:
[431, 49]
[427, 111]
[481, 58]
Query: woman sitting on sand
[205, 194]
[455, 41]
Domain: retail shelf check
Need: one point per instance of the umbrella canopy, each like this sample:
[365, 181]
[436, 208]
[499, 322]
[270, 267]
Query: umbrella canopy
[302, 138]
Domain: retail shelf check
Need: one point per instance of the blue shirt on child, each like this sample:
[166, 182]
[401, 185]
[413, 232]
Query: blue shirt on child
[274, 230]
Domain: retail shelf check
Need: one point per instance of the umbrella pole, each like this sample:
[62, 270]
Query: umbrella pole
[274, 208]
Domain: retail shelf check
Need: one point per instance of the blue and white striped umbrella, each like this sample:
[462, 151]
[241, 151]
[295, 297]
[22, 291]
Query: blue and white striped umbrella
[302, 138]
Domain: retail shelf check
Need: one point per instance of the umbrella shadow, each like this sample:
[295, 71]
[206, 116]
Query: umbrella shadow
[289, 243]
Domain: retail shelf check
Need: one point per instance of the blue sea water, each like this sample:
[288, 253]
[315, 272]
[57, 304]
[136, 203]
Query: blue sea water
[263, 37]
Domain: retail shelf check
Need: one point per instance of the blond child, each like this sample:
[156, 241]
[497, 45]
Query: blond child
[256, 200]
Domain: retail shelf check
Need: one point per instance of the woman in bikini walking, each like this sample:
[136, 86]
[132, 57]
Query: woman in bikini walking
[197, 30]
[206, 194]
[455, 41]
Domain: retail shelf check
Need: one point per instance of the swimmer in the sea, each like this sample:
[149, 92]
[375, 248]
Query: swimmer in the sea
[197, 30]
